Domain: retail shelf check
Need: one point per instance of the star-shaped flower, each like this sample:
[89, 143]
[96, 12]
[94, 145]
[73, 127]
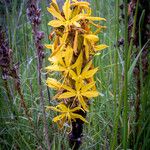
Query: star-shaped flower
[67, 114]
[81, 93]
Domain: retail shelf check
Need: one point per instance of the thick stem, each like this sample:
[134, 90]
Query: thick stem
[76, 133]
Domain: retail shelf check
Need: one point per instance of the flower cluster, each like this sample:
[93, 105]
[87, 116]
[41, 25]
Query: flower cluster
[34, 16]
[73, 48]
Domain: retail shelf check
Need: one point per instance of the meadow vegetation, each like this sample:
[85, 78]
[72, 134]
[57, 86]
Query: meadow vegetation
[117, 119]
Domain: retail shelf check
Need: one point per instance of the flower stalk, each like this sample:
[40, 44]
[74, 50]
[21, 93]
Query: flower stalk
[33, 13]
[10, 70]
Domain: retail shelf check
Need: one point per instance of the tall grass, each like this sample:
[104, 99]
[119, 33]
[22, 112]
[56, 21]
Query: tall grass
[112, 123]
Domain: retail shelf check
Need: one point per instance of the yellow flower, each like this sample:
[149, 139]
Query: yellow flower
[57, 52]
[85, 74]
[81, 92]
[71, 16]
[90, 41]
[67, 114]
[100, 47]
[63, 65]
[63, 21]
[80, 6]
[67, 20]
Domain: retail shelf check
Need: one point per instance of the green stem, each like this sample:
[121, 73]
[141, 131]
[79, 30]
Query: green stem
[116, 79]
[125, 89]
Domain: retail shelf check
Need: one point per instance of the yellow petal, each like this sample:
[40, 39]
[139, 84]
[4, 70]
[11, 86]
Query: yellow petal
[81, 6]
[87, 48]
[80, 3]
[68, 55]
[90, 94]
[78, 86]
[55, 68]
[49, 46]
[56, 14]
[66, 9]
[68, 88]
[77, 116]
[66, 95]
[52, 108]
[75, 12]
[76, 109]
[76, 24]
[59, 117]
[56, 23]
[78, 63]
[87, 67]
[90, 73]
[77, 18]
[91, 37]
[87, 87]
[53, 59]
[73, 75]
[100, 47]
[62, 107]
[83, 103]
[55, 5]
[53, 83]
[96, 18]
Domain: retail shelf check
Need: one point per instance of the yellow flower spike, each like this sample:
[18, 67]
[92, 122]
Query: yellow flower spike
[73, 48]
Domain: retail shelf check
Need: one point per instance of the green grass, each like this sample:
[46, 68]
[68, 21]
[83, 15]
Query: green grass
[112, 115]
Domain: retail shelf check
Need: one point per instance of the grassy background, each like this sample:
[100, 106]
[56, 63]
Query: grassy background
[106, 128]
